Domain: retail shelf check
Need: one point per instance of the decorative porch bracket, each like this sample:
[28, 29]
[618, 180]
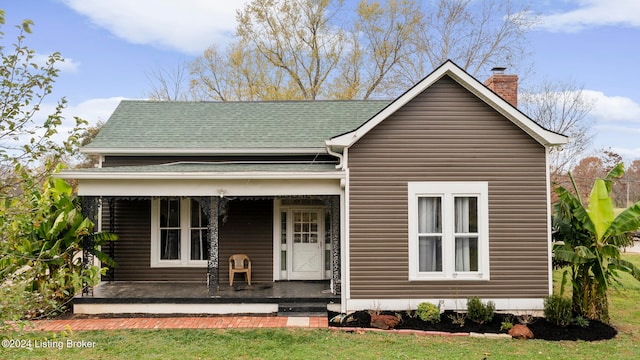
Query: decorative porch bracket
[211, 207]
[90, 206]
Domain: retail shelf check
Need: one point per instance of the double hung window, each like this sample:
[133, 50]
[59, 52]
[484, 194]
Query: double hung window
[178, 233]
[448, 231]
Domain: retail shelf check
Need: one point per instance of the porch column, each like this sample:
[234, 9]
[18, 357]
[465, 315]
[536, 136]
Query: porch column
[213, 264]
[89, 210]
[335, 244]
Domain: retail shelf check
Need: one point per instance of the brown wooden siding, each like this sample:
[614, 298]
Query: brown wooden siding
[248, 229]
[133, 248]
[447, 134]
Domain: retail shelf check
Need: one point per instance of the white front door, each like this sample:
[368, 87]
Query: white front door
[306, 245]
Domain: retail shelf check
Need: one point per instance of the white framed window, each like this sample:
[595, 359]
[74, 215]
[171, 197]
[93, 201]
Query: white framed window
[178, 233]
[448, 230]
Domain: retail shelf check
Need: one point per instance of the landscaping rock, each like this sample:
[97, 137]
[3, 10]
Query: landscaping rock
[520, 331]
[384, 322]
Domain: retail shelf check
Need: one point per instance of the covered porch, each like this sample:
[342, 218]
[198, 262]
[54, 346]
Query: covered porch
[289, 223]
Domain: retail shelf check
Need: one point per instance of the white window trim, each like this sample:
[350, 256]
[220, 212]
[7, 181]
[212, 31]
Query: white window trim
[447, 190]
[185, 237]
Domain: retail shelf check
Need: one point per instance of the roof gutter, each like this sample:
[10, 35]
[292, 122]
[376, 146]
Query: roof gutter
[340, 157]
[200, 151]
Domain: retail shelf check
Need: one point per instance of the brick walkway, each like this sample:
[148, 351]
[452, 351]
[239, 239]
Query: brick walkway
[221, 322]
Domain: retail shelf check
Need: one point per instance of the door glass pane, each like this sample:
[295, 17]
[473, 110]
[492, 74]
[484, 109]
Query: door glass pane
[430, 253]
[283, 260]
[327, 259]
[327, 228]
[305, 227]
[283, 227]
[466, 253]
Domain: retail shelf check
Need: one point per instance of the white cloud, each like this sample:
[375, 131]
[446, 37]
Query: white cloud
[613, 109]
[189, 26]
[594, 13]
[93, 110]
[616, 124]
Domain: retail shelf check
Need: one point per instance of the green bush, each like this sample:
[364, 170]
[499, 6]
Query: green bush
[479, 312]
[506, 325]
[428, 312]
[557, 310]
[581, 321]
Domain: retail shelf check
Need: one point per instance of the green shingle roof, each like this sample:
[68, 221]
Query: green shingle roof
[230, 125]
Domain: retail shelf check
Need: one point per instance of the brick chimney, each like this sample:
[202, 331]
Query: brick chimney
[504, 85]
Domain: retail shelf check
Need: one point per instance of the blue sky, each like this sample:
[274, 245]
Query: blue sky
[109, 45]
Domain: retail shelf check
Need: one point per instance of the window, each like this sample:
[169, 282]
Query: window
[178, 233]
[448, 231]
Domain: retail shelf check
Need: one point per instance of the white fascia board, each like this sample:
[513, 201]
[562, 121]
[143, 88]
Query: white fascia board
[543, 136]
[202, 151]
[200, 175]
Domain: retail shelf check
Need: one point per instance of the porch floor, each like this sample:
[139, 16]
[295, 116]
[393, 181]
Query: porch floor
[121, 292]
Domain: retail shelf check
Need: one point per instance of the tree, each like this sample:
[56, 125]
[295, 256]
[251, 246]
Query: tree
[380, 43]
[41, 239]
[563, 108]
[27, 146]
[87, 136]
[585, 173]
[168, 84]
[588, 239]
[631, 180]
[477, 35]
[296, 37]
[597, 166]
[40, 227]
[319, 49]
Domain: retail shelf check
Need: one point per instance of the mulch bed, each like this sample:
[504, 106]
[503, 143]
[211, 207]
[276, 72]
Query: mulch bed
[541, 328]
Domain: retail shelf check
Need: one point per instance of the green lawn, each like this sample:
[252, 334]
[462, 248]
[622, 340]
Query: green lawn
[323, 344]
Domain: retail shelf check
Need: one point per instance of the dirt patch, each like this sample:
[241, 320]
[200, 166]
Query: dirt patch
[541, 328]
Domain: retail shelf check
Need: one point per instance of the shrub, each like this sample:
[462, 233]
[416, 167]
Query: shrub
[506, 324]
[428, 312]
[479, 312]
[557, 310]
[580, 321]
[458, 318]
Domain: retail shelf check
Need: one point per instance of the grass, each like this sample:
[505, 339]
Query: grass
[303, 343]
